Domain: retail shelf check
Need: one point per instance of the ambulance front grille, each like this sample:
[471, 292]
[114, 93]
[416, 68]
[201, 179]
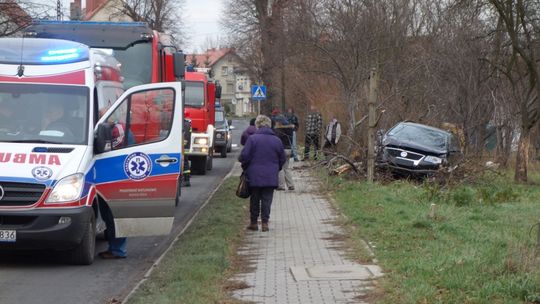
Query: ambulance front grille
[20, 194]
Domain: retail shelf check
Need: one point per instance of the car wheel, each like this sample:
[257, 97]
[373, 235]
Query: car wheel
[84, 253]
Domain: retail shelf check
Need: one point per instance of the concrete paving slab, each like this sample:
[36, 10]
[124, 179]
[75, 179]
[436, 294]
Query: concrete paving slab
[335, 272]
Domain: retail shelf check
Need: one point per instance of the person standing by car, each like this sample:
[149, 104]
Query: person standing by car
[293, 119]
[248, 132]
[262, 158]
[314, 124]
[331, 136]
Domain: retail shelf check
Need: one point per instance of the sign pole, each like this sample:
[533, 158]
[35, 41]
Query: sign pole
[259, 107]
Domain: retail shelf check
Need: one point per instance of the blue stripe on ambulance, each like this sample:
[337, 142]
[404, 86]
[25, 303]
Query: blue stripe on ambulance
[114, 168]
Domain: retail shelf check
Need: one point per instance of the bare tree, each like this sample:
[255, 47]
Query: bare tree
[518, 28]
[17, 14]
[258, 28]
[161, 15]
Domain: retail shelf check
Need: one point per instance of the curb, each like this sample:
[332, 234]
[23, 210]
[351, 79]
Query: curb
[158, 261]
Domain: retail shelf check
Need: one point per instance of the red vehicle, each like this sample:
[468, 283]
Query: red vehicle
[199, 106]
[146, 55]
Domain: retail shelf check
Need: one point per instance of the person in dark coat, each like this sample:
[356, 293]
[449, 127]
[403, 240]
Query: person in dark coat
[262, 158]
[248, 132]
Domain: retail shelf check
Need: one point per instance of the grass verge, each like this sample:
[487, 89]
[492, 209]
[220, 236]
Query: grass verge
[196, 269]
[480, 247]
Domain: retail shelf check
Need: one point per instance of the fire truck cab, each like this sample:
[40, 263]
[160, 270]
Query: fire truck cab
[72, 140]
[199, 107]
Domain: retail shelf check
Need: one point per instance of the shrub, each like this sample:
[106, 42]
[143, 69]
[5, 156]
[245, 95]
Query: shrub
[463, 196]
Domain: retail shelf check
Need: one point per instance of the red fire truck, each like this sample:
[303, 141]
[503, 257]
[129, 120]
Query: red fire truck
[146, 55]
[200, 99]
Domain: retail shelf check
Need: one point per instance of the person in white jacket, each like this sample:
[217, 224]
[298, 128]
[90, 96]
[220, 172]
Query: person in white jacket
[332, 135]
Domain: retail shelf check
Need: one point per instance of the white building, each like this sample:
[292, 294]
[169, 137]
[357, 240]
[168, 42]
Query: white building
[226, 68]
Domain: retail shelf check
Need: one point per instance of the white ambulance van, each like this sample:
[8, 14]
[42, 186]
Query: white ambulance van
[72, 140]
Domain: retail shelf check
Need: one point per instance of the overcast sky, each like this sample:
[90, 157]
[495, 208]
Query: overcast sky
[202, 20]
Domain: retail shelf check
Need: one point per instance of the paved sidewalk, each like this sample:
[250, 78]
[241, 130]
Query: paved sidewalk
[298, 260]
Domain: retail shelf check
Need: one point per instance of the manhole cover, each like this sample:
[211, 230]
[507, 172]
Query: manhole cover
[336, 272]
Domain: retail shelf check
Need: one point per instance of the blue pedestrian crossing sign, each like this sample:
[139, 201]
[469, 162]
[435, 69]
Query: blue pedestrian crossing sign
[258, 92]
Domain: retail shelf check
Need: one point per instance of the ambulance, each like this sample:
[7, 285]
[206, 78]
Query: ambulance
[72, 141]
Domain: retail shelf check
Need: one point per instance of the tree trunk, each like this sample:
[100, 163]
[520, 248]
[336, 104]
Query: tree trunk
[502, 152]
[522, 158]
[350, 99]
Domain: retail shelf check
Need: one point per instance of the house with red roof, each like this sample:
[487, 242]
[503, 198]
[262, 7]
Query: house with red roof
[12, 18]
[97, 10]
[225, 67]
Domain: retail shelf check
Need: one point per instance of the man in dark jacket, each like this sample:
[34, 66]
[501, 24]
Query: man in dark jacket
[293, 119]
[248, 132]
[262, 158]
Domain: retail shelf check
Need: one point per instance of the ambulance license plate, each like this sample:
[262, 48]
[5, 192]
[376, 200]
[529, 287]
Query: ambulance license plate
[8, 236]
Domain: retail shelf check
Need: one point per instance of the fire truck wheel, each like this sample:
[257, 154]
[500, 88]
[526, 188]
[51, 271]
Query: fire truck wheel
[210, 162]
[84, 253]
[198, 165]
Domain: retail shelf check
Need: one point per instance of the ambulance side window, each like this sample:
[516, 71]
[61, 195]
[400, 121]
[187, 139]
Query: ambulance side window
[144, 117]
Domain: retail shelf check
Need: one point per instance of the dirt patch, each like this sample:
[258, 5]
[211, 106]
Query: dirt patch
[233, 285]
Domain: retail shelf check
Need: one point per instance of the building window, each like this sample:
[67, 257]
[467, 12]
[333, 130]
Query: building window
[230, 88]
[224, 71]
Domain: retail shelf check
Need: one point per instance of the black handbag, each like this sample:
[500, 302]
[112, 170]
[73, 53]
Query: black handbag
[242, 191]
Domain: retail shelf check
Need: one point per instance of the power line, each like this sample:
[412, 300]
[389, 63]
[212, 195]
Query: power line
[59, 10]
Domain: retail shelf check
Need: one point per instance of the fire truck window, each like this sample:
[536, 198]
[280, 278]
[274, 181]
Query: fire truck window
[150, 118]
[194, 94]
[136, 64]
[118, 120]
[109, 95]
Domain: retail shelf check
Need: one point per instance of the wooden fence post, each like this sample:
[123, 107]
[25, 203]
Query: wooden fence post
[372, 121]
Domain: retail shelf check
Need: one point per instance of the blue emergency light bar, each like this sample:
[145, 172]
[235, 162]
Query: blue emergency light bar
[32, 51]
[106, 23]
[105, 35]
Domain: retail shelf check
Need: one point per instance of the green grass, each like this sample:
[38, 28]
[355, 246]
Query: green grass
[479, 248]
[197, 267]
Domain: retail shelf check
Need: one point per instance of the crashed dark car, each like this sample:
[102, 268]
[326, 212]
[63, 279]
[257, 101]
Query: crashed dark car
[414, 148]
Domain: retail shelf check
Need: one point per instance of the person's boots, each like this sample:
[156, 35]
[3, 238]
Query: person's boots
[264, 227]
[253, 227]
[185, 180]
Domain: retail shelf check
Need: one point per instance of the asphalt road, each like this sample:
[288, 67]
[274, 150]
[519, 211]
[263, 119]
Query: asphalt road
[42, 277]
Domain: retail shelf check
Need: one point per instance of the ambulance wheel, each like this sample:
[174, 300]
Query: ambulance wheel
[84, 253]
[178, 191]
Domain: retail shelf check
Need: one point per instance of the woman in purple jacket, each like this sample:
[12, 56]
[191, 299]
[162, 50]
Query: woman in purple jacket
[262, 158]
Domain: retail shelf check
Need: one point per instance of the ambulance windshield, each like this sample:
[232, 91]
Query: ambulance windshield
[43, 113]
